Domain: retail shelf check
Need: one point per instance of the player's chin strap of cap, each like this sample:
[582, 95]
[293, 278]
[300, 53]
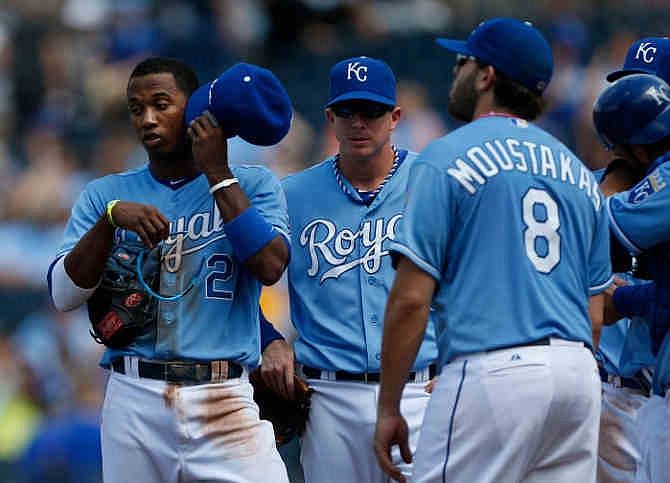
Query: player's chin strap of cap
[164, 298]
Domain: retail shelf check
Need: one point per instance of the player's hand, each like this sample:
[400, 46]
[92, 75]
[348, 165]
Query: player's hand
[278, 368]
[431, 385]
[209, 146]
[391, 430]
[145, 220]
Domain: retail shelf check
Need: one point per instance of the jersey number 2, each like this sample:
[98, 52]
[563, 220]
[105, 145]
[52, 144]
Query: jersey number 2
[545, 228]
[223, 266]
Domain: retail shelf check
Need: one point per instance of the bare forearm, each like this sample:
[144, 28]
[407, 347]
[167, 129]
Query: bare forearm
[404, 328]
[231, 201]
[86, 262]
[269, 263]
[405, 323]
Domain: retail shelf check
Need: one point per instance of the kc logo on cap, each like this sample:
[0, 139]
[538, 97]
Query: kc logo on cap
[362, 78]
[647, 51]
[358, 70]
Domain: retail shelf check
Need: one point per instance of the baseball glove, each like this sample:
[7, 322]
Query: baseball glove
[120, 309]
[288, 417]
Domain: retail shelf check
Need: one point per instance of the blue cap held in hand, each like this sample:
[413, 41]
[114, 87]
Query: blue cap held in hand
[247, 101]
[362, 78]
[513, 47]
[647, 56]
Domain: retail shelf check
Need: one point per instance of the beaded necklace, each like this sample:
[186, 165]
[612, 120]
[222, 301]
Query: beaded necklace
[367, 197]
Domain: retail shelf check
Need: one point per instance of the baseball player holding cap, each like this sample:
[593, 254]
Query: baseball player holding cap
[344, 213]
[633, 114]
[506, 237]
[178, 405]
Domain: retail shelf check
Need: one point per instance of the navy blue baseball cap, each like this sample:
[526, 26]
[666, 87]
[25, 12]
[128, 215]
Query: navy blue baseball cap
[362, 78]
[514, 47]
[247, 101]
[647, 56]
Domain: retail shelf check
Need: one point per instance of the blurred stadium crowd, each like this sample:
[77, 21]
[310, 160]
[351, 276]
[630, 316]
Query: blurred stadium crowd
[64, 65]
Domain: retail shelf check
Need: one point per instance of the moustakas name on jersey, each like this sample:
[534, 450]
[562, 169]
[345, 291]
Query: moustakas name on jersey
[340, 272]
[483, 213]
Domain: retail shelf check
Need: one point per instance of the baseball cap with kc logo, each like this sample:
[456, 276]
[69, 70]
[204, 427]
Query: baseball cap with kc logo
[646, 56]
[362, 78]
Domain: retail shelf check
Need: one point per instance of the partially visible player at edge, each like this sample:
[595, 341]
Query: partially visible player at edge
[344, 213]
[178, 404]
[505, 235]
[624, 352]
[633, 115]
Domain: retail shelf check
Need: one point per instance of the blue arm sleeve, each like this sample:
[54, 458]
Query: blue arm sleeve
[268, 332]
[635, 300]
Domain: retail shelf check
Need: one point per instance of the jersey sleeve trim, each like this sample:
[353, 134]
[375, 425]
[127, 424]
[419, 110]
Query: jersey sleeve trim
[418, 261]
[618, 232]
[284, 234]
[595, 290]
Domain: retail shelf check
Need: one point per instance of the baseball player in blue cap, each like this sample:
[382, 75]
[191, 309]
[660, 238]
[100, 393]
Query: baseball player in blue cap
[633, 115]
[505, 237]
[624, 351]
[344, 213]
[178, 405]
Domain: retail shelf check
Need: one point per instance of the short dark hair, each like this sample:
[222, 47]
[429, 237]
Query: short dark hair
[185, 76]
[523, 102]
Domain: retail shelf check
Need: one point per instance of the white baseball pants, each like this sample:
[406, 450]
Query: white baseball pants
[525, 414]
[618, 448]
[654, 436]
[337, 444]
[153, 431]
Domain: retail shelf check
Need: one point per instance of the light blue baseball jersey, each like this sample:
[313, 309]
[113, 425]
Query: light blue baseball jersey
[625, 347]
[640, 219]
[340, 273]
[218, 318]
[511, 225]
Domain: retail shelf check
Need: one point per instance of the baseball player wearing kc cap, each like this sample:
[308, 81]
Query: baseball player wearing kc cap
[625, 347]
[634, 113]
[344, 212]
[504, 237]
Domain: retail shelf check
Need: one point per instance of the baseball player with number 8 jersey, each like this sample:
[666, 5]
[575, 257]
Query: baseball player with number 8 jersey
[505, 235]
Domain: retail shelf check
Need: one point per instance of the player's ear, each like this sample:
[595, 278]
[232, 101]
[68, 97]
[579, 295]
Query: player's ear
[396, 113]
[485, 79]
[329, 115]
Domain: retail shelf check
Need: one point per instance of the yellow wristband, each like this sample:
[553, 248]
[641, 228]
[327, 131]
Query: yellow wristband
[110, 207]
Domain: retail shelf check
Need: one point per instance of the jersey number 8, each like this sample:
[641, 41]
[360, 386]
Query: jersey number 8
[545, 228]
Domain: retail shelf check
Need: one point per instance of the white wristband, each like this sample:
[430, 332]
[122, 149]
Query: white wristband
[223, 184]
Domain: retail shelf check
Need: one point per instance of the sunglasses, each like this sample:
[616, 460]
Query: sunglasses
[462, 59]
[367, 110]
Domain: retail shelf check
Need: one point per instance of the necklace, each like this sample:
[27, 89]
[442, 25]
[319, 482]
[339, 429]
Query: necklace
[366, 197]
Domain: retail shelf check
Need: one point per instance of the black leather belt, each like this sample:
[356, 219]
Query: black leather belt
[312, 373]
[544, 341]
[183, 371]
[638, 381]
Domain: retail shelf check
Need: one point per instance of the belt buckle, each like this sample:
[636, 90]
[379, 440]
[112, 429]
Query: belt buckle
[365, 377]
[202, 372]
[179, 371]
